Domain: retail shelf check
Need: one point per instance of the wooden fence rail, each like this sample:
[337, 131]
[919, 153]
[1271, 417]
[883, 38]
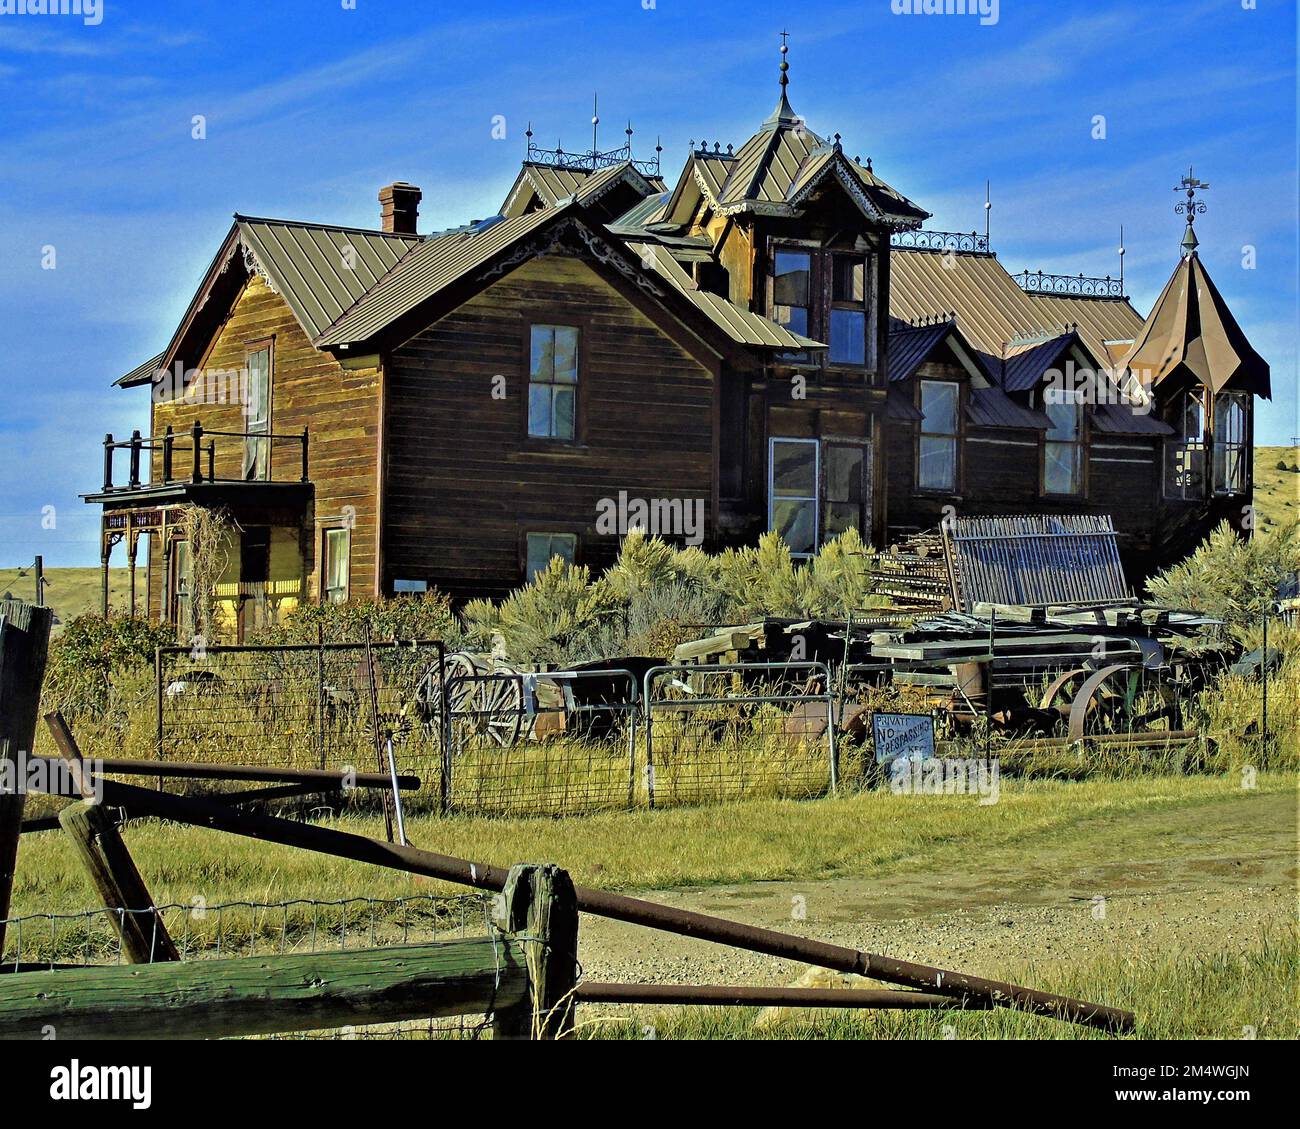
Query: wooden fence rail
[206, 999]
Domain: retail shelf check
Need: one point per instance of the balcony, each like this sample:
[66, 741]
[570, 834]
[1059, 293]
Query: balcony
[204, 467]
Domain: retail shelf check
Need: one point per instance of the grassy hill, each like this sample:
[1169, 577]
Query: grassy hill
[1277, 491]
[73, 591]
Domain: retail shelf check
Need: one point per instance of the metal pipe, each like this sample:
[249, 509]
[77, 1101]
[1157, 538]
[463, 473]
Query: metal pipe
[619, 907]
[397, 792]
[199, 770]
[594, 992]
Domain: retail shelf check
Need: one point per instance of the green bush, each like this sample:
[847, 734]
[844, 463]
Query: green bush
[426, 616]
[93, 654]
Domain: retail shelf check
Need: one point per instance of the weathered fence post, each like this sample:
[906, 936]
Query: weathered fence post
[24, 644]
[539, 908]
[113, 873]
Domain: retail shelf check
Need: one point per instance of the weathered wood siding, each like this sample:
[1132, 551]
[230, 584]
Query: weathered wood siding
[464, 484]
[309, 388]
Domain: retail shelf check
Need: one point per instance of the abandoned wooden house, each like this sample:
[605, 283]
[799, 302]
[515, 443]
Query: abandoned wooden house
[774, 339]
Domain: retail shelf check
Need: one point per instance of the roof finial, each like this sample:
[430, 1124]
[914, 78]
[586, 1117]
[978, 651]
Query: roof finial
[784, 113]
[1190, 207]
[988, 208]
[595, 122]
[785, 66]
[1122, 253]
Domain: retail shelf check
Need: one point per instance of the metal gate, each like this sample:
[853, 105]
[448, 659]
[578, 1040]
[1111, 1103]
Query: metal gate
[745, 730]
[554, 743]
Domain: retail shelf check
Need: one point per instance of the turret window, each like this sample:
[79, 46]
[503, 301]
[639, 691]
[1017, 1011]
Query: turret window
[1230, 448]
[1185, 450]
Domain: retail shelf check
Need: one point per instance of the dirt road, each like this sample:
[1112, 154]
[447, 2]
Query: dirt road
[1211, 876]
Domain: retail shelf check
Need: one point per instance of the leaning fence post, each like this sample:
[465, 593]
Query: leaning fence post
[113, 873]
[444, 752]
[539, 907]
[24, 643]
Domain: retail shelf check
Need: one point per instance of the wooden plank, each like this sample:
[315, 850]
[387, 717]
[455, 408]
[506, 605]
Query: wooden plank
[24, 644]
[262, 995]
[113, 873]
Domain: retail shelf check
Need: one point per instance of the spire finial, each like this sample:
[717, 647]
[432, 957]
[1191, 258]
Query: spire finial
[1191, 208]
[785, 66]
[595, 122]
[783, 114]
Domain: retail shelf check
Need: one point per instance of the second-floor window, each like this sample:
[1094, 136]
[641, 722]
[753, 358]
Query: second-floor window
[1063, 446]
[1185, 450]
[936, 454]
[257, 415]
[1230, 476]
[553, 382]
[824, 295]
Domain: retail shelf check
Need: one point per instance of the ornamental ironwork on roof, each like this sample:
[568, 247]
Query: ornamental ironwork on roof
[972, 243]
[1069, 285]
[594, 158]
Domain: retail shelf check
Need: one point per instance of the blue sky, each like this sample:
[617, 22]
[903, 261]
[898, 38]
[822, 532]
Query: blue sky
[311, 106]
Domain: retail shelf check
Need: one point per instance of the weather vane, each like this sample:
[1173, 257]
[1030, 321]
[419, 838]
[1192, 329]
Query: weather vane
[1191, 208]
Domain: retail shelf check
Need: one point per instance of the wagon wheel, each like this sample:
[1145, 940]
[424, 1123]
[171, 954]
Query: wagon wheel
[500, 706]
[1105, 702]
[1062, 690]
[460, 669]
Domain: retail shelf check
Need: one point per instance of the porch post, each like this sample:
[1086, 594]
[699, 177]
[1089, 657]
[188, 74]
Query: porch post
[105, 550]
[132, 543]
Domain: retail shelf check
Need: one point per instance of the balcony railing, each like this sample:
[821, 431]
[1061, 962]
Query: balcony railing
[197, 456]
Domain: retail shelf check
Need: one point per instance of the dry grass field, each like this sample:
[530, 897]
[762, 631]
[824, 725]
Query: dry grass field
[71, 591]
[1277, 491]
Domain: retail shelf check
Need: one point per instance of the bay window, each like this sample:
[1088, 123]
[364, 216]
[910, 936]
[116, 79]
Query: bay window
[1185, 449]
[1230, 449]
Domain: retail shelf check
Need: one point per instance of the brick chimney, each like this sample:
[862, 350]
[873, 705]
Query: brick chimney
[399, 207]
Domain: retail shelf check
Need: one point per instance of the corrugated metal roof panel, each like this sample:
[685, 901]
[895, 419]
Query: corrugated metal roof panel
[909, 348]
[991, 407]
[309, 263]
[1121, 419]
[992, 310]
[430, 267]
[141, 374]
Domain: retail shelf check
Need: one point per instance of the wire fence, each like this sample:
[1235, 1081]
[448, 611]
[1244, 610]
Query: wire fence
[488, 739]
[304, 706]
[63, 941]
[740, 731]
[542, 744]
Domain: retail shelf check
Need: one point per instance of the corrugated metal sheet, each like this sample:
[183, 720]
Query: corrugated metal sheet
[1025, 367]
[992, 310]
[308, 264]
[741, 325]
[899, 407]
[1035, 560]
[647, 211]
[433, 265]
[141, 374]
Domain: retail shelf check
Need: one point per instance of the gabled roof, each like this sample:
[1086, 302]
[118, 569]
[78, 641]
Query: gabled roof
[1025, 365]
[910, 346]
[1191, 328]
[993, 311]
[430, 268]
[308, 264]
[739, 324]
[549, 185]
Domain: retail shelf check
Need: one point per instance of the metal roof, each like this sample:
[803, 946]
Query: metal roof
[318, 269]
[910, 346]
[1191, 327]
[141, 374]
[992, 310]
[1024, 367]
[429, 268]
[741, 325]
[1122, 419]
[553, 184]
[991, 407]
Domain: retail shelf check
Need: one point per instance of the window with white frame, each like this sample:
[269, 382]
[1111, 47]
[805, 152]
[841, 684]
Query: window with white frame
[542, 548]
[1063, 445]
[336, 566]
[257, 415]
[1185, 449]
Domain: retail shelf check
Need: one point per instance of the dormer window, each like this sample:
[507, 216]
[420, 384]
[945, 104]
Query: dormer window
[1063, 445]
[824, 294]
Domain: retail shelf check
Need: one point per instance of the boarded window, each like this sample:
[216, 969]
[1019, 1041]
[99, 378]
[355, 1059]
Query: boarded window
[936, 456]
[337, 566]
[257, 416]
[545, 547]
[553, 382]
[792, 493]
